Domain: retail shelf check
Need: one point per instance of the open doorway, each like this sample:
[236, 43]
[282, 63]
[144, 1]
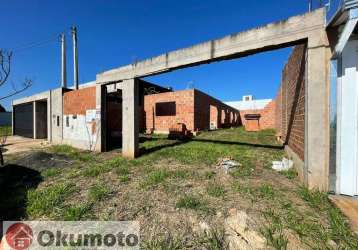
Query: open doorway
[114, 119]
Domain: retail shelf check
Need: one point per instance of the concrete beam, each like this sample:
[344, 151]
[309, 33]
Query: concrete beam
[272, 36]
[41, 96]
[130, 127]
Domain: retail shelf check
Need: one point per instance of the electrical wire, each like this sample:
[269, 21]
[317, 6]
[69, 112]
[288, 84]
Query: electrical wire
[35, 44]
[39, 43]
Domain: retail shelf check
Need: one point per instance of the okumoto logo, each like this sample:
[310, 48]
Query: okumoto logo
[72, 235]
[19, 236]
[47, 238]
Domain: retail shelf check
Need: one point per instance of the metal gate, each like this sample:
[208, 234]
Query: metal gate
[24, 120]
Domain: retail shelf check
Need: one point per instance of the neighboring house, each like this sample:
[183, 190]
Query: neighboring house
[343, 32]
[255, 114]
[5, 117]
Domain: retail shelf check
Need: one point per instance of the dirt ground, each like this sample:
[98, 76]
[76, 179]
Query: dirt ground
[17, 144]
[180, 195]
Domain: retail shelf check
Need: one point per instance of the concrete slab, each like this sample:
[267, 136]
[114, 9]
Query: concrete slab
[17, 144]
[349, 207]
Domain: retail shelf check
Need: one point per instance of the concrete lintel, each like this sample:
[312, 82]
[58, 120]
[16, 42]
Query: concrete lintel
[130, 127]
[28, 99]
[272, 36]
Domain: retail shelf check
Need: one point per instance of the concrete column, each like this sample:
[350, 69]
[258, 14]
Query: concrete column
[130, 127]
[12, 118]
[101, 118]
[34, 120]
[316, 172]
[49, 115]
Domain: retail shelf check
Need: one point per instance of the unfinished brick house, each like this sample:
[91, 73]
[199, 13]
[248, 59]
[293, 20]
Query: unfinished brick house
[193, 108]
[123, 84]
[74, 119]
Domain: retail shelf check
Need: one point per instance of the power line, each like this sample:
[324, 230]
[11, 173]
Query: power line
[34, 45]
[38, 43]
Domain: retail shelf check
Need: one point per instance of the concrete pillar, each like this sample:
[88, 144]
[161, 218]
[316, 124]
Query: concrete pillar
[34, 120]
[49, 114]
[130, 127]
[316, 163]
[12, 118]
[101, 122]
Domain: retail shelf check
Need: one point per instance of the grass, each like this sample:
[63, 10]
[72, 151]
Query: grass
[179, 186]
[47, 200]
[51, 172]
[266, 191]
[209, 175]
[290, 173]
[99, 192]
[77, 212]
[273, 230]
[124, 178]
[73, 153]
[192, 202]
[161, 242]
[97, 169]
[213, 240]
[122, 170]
[156, 177]
[216, 190]
[209, 147]
[5, 130]
[314, 198]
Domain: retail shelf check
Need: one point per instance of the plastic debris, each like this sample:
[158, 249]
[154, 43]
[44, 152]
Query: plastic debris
[228, 164]
[285, 164]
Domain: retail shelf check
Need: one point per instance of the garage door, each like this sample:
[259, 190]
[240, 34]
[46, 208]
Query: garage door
[23, 120]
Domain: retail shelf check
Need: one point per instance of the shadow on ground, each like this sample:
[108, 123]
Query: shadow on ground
[15, 181]
[177, 142]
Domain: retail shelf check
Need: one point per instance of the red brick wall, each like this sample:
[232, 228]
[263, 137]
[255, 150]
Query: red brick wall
[268, 116]
[193, 108]
[76, 102]
[290, 102]
[210, 110]
[184, 101]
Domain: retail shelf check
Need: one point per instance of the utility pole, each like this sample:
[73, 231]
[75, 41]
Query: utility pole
[75, 57]
[63, 61]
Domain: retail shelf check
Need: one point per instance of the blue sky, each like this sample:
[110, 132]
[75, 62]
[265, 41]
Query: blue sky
[115, 33]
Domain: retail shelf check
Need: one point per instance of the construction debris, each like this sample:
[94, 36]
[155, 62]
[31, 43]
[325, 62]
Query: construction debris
[228, 164]
[239, 233]
[285, 164]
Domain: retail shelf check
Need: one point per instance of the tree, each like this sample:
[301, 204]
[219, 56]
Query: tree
[5, 69]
